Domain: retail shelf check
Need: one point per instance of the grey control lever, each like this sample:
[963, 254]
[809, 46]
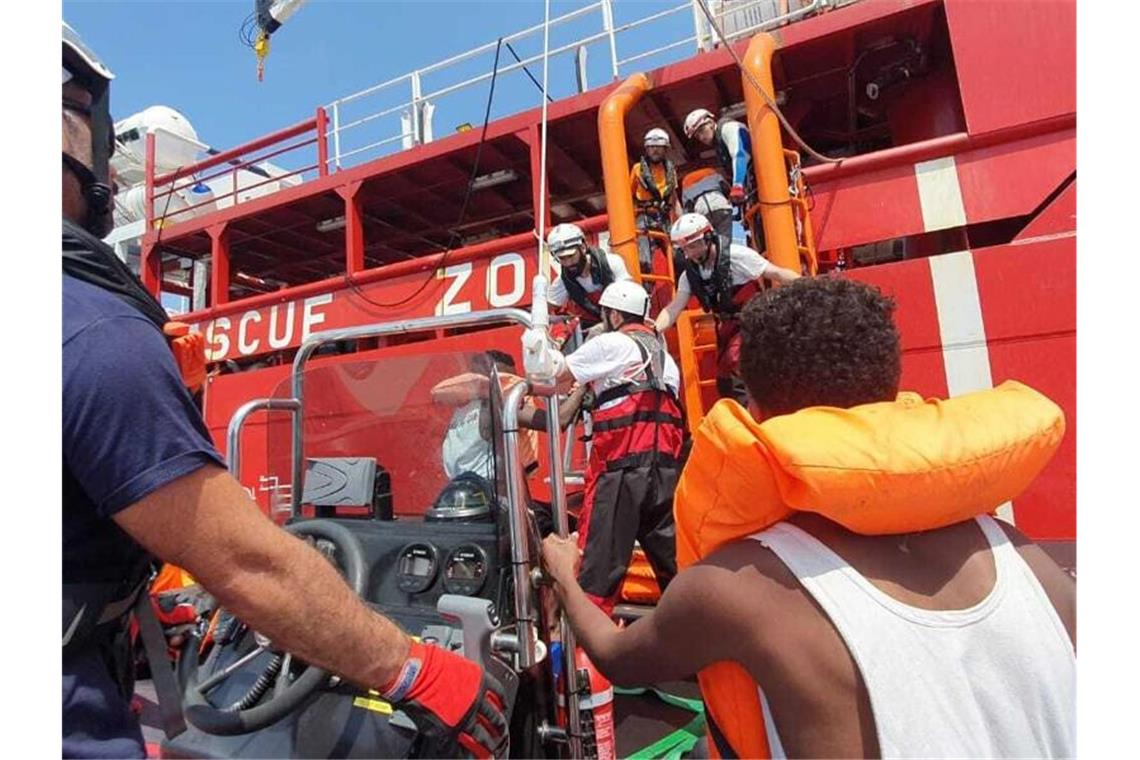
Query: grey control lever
[473, 616]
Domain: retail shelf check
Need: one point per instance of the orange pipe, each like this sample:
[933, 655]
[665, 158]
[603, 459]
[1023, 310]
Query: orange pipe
[768, 156]
[615, 168]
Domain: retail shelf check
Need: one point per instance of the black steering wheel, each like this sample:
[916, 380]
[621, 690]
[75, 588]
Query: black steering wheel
[242, 717]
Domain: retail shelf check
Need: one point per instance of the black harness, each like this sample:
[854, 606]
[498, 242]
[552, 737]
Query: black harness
[653, 354]
[87, 258]
[601, 275]
[658, 205]
[714, 294]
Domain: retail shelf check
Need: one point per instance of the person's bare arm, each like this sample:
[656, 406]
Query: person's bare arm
[532, 417]
[780, 274]
[273, 581]
[684, 633]
[1059, 586]
[672, 310]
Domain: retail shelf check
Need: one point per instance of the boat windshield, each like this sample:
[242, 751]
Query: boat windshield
[394, 434]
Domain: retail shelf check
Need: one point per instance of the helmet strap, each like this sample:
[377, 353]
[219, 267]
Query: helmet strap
[95, 180]
[96, 195]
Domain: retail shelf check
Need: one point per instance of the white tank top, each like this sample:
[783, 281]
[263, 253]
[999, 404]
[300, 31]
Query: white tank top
[997, 679]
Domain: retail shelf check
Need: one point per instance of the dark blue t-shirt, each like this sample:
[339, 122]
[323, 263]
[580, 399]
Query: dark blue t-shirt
[129, 428]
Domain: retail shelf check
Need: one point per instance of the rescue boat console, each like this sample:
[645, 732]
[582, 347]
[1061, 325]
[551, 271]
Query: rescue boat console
[446, 555]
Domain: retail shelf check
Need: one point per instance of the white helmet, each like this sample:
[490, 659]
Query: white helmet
[689, 228]
[695, 119]
[627, 296]
[564, 238]
[657, 136]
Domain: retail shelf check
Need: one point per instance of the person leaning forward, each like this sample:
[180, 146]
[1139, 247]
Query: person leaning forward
[637, 436]
[585, 272]
[723, 281]
[142, 480]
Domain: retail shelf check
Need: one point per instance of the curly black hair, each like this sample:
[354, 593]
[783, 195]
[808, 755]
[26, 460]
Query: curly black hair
[823, 341]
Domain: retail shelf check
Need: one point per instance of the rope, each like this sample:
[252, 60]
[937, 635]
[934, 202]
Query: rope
[756, 85]
[540, 221]
[455, 239]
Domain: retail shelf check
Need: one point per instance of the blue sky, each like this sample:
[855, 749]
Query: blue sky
[188, 55]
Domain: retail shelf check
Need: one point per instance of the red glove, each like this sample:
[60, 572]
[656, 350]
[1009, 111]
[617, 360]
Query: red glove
[450, 698]
[736, 195]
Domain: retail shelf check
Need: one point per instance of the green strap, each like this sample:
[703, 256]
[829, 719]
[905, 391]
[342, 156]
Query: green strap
[676, 744]
[692, 705]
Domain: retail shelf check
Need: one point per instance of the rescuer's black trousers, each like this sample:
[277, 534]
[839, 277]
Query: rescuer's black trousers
[634, 503]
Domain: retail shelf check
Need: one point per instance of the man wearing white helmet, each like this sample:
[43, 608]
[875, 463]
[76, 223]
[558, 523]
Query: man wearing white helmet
[637, 435]
[653, 182]
[723, 282]
[142, 479]
[586, 271]
[733, 145]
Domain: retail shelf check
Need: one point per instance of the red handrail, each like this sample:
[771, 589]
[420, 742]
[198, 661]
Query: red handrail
[232, 153]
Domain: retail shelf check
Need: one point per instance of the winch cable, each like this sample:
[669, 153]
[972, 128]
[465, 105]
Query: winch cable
[756, 85]
[526, 71]
[455, 239]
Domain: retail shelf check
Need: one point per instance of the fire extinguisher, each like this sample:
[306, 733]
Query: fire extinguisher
[558, 673]
[595, 710]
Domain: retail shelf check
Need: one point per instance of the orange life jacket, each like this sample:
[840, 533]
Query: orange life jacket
[876, 469]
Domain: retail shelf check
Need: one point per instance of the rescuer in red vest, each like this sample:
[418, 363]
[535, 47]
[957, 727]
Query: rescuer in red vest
[723, 281]
[637, 435]
[586, 271]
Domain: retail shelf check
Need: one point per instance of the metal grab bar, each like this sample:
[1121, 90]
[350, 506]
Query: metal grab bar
[233, 430]
[517, 524]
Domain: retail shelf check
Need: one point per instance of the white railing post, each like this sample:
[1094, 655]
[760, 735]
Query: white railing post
[336, 133]
[417, 94]
[608, 25]
[701, 27]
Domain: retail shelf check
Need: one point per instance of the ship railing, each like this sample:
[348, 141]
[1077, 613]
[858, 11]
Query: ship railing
[362, 126]
[359, 127]
[302, 148]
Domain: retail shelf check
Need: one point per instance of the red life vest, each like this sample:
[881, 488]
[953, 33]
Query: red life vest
[645, 427]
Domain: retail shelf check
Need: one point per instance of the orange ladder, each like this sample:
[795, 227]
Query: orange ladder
[805, 235]
[696, 345]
